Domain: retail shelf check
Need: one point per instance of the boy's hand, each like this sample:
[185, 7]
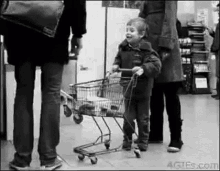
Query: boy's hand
[138, 70]
[115, 68]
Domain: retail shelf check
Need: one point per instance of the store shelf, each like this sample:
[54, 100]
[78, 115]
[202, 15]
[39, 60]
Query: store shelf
[199, 59]
[200, 52]
[198, 42]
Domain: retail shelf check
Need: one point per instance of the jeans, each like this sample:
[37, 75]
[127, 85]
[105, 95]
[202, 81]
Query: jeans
[51, 78]
[137, 109]
[173, 107]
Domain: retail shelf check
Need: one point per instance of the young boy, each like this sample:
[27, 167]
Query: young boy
[135, 53]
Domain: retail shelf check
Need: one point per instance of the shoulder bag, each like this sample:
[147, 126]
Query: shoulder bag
[40, 16]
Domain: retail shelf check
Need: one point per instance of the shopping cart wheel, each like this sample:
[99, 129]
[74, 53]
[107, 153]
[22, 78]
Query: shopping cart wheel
[94, 160]
[107, 144]
[137, 152]
[81, 157]
[67, 111]
[78, 118]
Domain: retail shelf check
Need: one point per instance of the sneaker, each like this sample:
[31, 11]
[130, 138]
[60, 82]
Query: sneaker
[126, 145]
[175, 146]
[17, 166]
[53, 166]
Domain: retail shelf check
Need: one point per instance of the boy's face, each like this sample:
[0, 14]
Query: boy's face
[132, 34]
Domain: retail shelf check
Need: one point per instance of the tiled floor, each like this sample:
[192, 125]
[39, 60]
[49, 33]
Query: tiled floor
[200, 150]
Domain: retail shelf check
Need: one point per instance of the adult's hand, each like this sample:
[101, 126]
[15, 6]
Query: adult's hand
[76, 45]
[164, 53]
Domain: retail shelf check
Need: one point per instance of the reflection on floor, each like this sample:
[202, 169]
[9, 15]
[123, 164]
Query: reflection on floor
[200, 135]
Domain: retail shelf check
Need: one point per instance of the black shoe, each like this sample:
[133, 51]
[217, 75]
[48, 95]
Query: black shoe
[214, 95]
[53, 166]
[175, 146]
[17, 166]
[126, 145]
[150, 141]
[142, 147]
[136, 141]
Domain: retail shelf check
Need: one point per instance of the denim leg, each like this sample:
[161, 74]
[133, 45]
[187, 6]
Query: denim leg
[129, 117]
[143, 120]
[157, 109]
[51, 79]
[23, 134]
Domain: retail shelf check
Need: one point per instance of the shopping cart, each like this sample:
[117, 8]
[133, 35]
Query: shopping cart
[68, 99]
[103, 98]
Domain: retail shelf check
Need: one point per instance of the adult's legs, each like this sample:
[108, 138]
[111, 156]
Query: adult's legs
[23, 113]
[51, 79]
[173, 108]
[156, 117]
[217, 90]
[217, 75]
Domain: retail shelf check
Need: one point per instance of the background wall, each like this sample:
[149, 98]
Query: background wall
[186, 10]
[92, 54]
[206, 5]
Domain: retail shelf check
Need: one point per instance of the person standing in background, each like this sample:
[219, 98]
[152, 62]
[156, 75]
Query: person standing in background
[27, 50]
[215, 50]
[161, 16]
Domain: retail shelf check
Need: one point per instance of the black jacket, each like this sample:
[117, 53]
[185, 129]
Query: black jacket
[26, 45]
[179, 28]
[145, 57]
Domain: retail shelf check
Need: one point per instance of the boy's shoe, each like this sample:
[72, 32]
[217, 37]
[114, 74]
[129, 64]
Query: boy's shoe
[53, 166]
[150, 141]
[142, 147]
[126, 145]
[17, 166]
[175, 146]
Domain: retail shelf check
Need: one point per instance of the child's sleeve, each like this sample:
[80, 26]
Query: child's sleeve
[152, 64]
[117, 60]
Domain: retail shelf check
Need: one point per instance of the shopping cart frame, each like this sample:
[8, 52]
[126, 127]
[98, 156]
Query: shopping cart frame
[81, 150]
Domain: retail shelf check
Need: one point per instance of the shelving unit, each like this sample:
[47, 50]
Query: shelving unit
[199, 59]
[185, 51]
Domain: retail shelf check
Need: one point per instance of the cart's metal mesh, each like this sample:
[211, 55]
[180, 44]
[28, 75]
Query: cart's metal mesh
[102, 97]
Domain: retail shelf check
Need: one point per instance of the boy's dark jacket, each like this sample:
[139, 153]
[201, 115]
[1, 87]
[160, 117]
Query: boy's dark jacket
[143, 56]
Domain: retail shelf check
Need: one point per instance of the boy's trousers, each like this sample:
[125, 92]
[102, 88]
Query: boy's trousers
[137, 109]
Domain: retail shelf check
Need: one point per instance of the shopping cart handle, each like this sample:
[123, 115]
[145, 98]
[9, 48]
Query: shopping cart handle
[124, 70]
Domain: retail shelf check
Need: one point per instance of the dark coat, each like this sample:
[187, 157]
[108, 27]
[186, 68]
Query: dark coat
[161, 16]
[143, 56]
[179, 28]
[26, 45]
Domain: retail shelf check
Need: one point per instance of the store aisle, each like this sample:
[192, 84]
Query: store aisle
[200, 136]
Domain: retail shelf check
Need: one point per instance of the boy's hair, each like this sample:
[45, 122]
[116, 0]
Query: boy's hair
[139, 23]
